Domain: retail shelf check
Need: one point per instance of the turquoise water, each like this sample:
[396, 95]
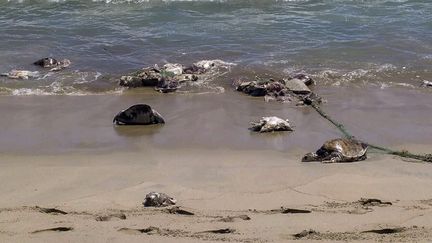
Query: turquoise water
[338, 42]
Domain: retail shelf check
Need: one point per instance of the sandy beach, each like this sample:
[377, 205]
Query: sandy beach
[217, 186]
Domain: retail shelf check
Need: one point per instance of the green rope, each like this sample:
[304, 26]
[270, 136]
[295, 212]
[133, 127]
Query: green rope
[403, 153]
[337, 124]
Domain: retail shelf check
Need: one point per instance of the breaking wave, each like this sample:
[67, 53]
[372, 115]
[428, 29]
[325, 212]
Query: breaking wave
[76, 83]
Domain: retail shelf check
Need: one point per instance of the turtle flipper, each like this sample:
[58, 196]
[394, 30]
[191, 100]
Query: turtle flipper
[334, 157]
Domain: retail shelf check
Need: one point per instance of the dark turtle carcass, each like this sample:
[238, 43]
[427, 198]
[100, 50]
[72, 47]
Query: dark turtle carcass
[339, 150]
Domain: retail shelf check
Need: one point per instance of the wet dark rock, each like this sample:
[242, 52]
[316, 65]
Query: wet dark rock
[140, 114]
[156, 199]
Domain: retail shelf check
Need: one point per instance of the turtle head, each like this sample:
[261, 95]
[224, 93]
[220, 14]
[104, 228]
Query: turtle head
[121, 118]
[310, 157]
[157, 117]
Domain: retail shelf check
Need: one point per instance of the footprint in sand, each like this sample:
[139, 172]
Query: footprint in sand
[55, 229]
[121, 216]
[50, 210]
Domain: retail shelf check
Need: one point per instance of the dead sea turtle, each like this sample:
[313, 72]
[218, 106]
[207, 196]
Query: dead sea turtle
[156, 199]
[21, 74]
[306, 79]
[426, 83]
[338, 150]
[52, 63]
[140, 114]
[271, 124]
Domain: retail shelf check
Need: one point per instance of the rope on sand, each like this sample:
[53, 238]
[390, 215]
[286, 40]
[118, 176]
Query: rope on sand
[403, 153]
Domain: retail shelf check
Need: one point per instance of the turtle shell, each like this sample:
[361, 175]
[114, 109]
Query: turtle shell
[349, 148]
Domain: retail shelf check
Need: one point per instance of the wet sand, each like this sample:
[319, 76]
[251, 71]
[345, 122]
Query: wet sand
[65, 124]
[76, 161]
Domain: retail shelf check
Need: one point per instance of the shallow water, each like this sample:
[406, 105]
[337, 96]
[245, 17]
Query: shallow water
[339, 42]
[63, 124]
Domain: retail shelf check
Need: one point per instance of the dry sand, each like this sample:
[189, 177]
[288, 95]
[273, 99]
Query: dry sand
[102, 196]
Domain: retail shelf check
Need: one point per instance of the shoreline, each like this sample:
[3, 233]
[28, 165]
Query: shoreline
[68, 124]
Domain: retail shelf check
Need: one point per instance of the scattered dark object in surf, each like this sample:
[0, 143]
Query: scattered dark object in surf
[56, 229]
[338, 150]
[271, 124]
[426, 83]
[194, 69]
[149, 230]
[171, 76]
[52, 63]
[283, 90]
[311, 98]
[372, 202]
[142, 78]
[50, 210]
[306, 79]
[178, 210]
[155, 199]
[403, 153]
[232, 218]
[385, 231]
[21, 74]
[167, 85]
[305, 233]
[140, 114]
[121, 216]
[219, 231]
[297, 86]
